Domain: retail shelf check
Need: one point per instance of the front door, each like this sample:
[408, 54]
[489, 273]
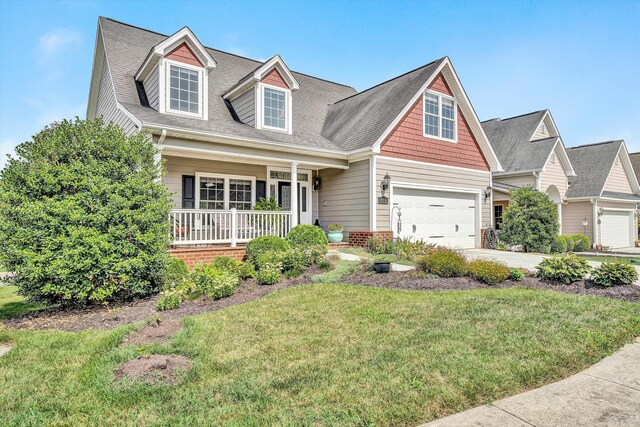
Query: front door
[284, 200]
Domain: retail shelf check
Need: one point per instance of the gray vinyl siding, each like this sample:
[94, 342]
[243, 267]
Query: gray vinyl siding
[430, 174]
[178, 166]
[151, 88]
[344, 197]
[573, 214]
[107, 107]
[245, 107]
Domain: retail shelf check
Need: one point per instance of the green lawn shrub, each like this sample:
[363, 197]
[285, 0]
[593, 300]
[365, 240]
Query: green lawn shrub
[444, 262]
[269, 274]
[566, 269]
[489, 272]
[294, 260]
[559, 245]
[243, 270]
[516, 274]
[168, 301]
[581, 243]
[270, 258]
[177, 272]
[614, 274]
[213, 283]
[260, 245]
[84, 216]
[306, 235]
[570, 243]
[325, 265]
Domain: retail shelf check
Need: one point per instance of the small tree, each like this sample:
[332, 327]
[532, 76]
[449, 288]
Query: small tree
[83, 216]
[531, 220]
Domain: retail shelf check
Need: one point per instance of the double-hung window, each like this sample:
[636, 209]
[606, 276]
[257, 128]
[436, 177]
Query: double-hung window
[439, 116]
[274, 108]
[222, 192]
[184, 90]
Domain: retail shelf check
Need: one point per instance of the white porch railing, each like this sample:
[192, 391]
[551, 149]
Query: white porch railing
[199, 226]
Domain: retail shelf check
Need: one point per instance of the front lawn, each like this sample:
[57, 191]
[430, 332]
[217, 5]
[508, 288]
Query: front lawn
[625, 260]
[13, 305]
[320, 354]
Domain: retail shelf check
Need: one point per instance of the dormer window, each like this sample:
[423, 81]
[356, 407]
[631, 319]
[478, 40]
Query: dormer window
[274, 108]
[184, 92]
[440, 116]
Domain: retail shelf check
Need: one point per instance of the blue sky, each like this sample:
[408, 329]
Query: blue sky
[581, 59]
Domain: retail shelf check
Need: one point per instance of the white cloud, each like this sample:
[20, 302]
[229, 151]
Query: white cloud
[56, 41]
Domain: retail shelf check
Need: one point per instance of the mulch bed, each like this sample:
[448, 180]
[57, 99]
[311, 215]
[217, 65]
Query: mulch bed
[100, 317]
[410, 281]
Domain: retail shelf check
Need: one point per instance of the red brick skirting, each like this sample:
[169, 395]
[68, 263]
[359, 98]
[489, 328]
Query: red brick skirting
[360, 238]
[194, 256]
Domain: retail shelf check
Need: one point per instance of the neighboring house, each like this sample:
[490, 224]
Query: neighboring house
[532, 153]
[232, 130]
[604, 195]
[635, 162]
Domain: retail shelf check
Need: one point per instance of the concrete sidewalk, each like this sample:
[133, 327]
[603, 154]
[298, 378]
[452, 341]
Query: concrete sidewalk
[607, 394]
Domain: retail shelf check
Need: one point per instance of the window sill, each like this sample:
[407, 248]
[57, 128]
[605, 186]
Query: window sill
[439, 138]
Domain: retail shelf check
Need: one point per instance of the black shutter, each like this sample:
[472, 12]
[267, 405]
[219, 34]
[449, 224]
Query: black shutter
[261, 189]
[188, 192]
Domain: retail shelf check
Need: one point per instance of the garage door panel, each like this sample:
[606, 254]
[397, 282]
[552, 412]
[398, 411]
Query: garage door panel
[442, 218]
[615, 228]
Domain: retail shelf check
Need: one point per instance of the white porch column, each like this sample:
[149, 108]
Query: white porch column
[560, 216]
[294, 194]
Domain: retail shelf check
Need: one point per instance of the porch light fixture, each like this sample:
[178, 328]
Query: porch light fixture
[584, 224]
[316, 183]
[385, 184]
[487, 193]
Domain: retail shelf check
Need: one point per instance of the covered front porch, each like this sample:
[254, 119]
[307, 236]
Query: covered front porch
[215, 195]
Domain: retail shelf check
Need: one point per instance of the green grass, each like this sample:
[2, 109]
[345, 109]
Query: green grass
[380, 257]
[12, 305]
[341, 269]
[625, 260]
[322, 355]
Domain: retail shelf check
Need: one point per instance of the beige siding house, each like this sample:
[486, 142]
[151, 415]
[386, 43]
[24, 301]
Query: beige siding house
[231, 130]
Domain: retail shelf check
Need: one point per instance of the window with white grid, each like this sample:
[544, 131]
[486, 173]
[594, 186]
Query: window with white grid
[212, 193]
[184, 90]
[274, 108]
[439, 116]
[240, 194]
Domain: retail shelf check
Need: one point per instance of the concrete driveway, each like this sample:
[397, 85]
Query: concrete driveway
[519, 259]
[607, 394]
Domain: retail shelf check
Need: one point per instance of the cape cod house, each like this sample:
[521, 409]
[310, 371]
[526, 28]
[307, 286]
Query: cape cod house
[407, 157]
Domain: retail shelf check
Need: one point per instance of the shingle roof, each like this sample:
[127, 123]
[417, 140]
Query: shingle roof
[623, 196]
[592, 164]
[635, 162]
[358, 121]
[126, 48]
[510, 139]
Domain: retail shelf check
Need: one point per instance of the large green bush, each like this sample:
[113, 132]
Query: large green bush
[306, 235]
[177, 272]
[581, 243]
[566, 269]
[614, 274]
[260, 245]
[489, 272]
[83, 216]
[531, 220]
[444, 262]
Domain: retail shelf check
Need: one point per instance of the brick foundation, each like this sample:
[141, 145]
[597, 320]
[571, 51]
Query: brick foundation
[199, 255]
[360, 238]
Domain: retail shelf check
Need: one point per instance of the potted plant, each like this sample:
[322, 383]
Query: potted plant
[335, 233]
[382, 264]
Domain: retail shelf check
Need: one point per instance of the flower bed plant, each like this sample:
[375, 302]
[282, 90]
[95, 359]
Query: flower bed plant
[614, 274]
[566, 269]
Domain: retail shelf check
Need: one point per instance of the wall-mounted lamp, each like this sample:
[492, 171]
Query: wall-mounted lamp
[385, 184]
[600, 211]
[316, 183]
[584, 224]
[487, 193]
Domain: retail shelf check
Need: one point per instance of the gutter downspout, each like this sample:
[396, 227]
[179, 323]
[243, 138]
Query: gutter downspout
[595, 222]
[537, 176]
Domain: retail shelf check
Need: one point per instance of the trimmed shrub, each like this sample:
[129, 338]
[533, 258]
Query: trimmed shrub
[516, 274]
[566, 269]
[258, 246]
[83, 215]
[313, 255]
[444, 262]
[531, 220]
[570, 244]
[168, 301]
[270, 258]
[559, 245]
[214, 283]
[306, 235]
[294, 260]
[243, 270]
[177, 272]
[614, 274]
[269, 274]
[489, 272]
[581, 243]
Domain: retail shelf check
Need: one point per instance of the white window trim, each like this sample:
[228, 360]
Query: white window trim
[440, 118]
[165, 87]
[226, 186]
[260, 108]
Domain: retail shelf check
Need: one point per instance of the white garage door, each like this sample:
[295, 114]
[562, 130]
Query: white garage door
[615, 229]
[446, 219]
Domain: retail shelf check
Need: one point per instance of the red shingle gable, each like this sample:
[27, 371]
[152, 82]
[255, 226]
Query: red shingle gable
[184, 54]
[274, 78]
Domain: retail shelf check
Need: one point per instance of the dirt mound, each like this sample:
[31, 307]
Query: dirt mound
[155, 369]
[158, 331]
